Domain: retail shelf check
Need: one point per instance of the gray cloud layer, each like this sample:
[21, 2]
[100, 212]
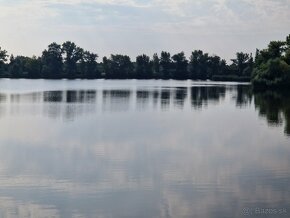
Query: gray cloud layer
[133, 27]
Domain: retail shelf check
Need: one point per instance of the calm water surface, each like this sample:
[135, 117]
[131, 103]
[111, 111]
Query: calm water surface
[143, 149]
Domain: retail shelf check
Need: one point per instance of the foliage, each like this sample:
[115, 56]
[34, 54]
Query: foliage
[52, 62]
[165, 64]
[156, 65]
[272, 66]
[180, 66]
[24, 67]
[118, 67]
[3, 59]
[89, 66]
[243, 64]
[72, 55]
[144, 67]
[203, 66]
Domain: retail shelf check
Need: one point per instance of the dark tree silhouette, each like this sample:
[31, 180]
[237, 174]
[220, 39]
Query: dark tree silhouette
[52, 62]
[144, 67]
[198, 65]
[156, 66]
[270, 68]
[72, 55]
[275, 107]
[25, 67]
[180, 64]
[243, 64]
[165, 63]
[119, 67]
[3, 59]
[89, 66]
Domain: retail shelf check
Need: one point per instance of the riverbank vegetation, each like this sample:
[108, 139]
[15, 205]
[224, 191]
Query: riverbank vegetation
[70, 61]
[269, 68]
[272, 66]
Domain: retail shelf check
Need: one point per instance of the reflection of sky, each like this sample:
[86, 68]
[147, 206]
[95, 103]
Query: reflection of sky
[141, 161]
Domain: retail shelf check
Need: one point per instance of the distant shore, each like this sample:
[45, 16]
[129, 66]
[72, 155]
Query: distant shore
[270, 68]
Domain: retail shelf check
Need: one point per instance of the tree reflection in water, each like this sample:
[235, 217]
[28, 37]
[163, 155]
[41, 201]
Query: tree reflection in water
[275, 107]
[272, 105]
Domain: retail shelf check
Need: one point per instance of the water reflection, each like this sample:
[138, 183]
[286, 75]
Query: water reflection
[180, 96]
[3, 98]
[117, 100]
[183, 151]
[70, 104]
[275, 107]
[243, 96]
[11, 208]
[201, 96]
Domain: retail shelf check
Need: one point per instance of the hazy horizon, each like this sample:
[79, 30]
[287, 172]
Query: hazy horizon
[134, 27]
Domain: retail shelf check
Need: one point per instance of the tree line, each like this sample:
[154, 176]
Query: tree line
[69, 61]
[269, 68]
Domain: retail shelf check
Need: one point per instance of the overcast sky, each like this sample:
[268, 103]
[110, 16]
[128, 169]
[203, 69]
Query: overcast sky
[133, 27]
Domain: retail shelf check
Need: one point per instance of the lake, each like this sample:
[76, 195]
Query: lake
[112, 148]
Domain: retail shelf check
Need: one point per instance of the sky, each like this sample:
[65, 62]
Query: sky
[133, 27]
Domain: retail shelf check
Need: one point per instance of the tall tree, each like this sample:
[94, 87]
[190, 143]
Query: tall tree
[156, 66]
[89, 66]
[106, 67]
[143, 67]
[214, 66]
[241, 62]
[165, 63]
[180, 64]
[287, 50]
[199, 65]
[52, 62]
[194, 64]
[72, 55]
[275, 49]
[3, 59]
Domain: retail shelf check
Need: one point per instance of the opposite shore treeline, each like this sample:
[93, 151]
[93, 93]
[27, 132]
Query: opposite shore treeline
[269, 67]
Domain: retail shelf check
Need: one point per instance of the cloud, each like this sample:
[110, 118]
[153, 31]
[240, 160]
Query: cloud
[108, 25]
[130, 3]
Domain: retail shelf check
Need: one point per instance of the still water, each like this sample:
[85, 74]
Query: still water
[143, 149]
